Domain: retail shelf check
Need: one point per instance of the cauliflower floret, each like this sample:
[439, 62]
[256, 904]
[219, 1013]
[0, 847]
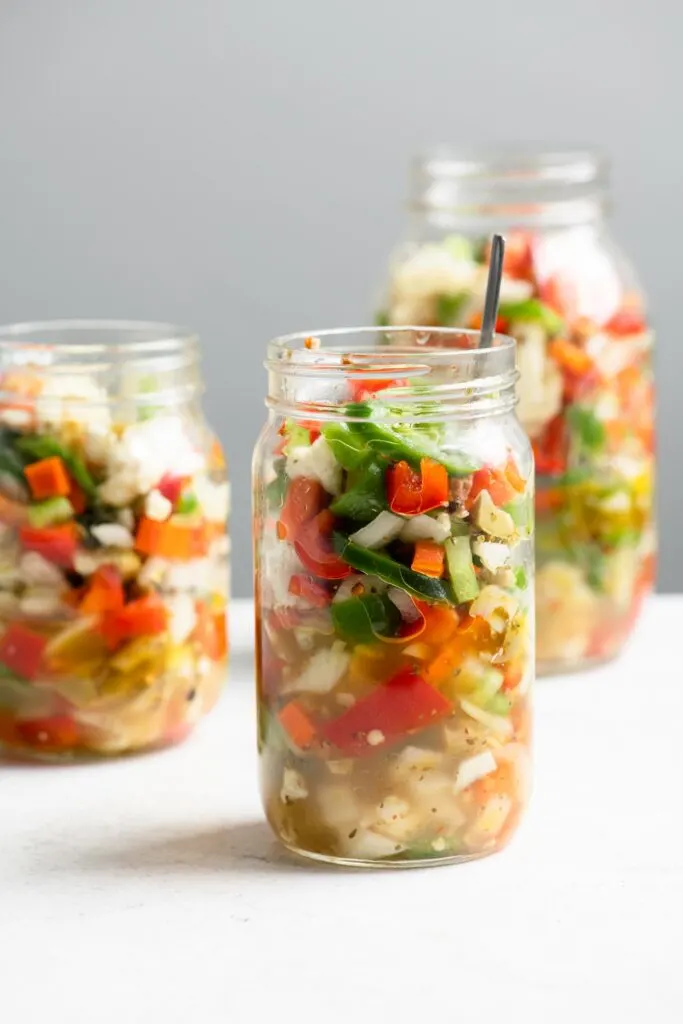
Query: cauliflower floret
[112, 535]
[279, 562]
[317, 462]
[540, 383]
[322, 672]
[337, 806]
[432, 271]
[214, 499]
[182, 617]
[566, 612]
[40, 601]
[293, 786]
[73, 398]
[37, 571]
[474, 768]
[495, 605]
[157, 506]
[366, 844]
[146, 452]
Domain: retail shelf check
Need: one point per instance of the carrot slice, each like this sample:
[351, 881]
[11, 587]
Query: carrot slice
[48, 478]
[297, 724]
[428, 559]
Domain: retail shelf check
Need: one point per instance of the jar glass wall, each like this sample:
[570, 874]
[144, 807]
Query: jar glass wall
[572, 301]
[393, 524]
[113, 542]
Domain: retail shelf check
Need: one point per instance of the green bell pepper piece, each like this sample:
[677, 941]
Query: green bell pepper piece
[365, 496]
[521, 580]
[348, 449]
[535, 312]
[361, 620]
[461, 569]
[459, 247]
[376, 563]
[586, 426]
[297, 437]
[277, 488]
[187, 504]
[400, 446]
[449, 308]
[521, 511]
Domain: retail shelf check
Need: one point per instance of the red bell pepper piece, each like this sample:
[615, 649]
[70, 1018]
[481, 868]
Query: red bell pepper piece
[309, 589]
[211, 632]
[626, 321]
[303, 500]
[402, 705]
[77, 497]
[313, 545]
[362, 388]
[59, 732]
[411, 493]
[55, 543]
[560, 294]
[144, 617]
[104, 592]
[22, 650]
[518, 260]
[550, 449]
[496, 482]
[171, 487]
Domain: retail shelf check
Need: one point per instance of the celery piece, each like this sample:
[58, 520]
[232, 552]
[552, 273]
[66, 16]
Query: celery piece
[535, 312]
[50, 512]
[461, 569]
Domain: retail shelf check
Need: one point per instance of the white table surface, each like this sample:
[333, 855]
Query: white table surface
[151, 890]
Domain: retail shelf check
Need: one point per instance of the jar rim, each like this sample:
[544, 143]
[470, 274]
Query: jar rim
[282, 348]
[570, 166]
[507, 185]
[127, 337]
[413, 365]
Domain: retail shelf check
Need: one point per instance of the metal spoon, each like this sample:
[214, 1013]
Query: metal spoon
[488, 322]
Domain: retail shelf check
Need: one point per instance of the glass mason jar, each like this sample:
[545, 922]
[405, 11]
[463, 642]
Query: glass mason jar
[113, 543]
[393, 526]
[572, 302]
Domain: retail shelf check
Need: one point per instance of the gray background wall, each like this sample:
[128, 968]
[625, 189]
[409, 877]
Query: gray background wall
[239, 165]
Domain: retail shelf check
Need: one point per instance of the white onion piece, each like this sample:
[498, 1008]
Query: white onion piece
[498, 724]
[474, 768]
[404, 603]
[424, 527]
[384, 528]
[370, 585]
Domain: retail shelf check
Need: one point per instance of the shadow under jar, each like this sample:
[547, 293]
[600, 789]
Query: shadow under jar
[393, 524]
[572, 302]
[113, 542]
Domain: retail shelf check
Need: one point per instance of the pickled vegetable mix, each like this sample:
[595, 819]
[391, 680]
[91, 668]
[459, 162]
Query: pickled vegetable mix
[393, 533]
[586, 401]
[113, 545]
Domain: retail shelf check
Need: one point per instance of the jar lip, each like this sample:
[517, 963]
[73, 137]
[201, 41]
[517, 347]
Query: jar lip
[423, 373]
[510, 185]
[282, 350]
[515, 163]
[123, 337]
